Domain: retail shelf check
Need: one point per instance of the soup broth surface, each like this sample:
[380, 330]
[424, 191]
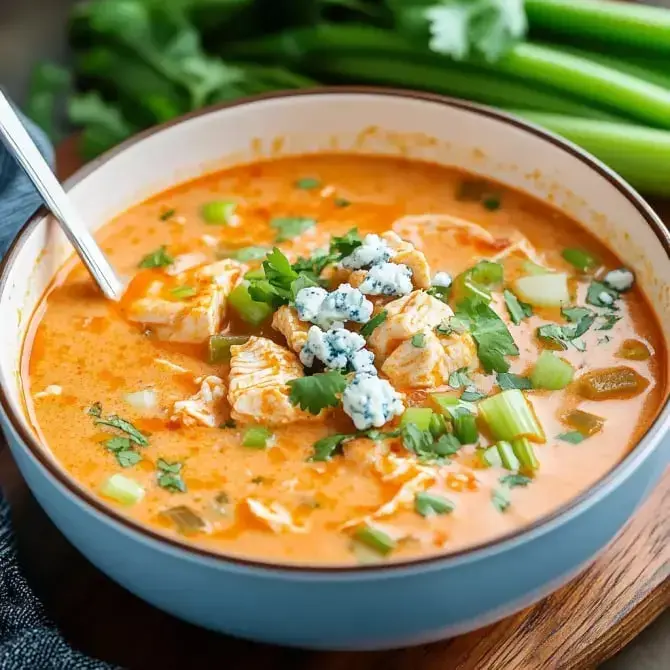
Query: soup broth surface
[371, 497]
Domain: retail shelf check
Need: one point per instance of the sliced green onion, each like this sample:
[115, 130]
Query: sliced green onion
[219, 346]
[551, 372]
[185, 519]
[545, 290]
[509, 415]
[218, 212]
[437, 425]
[307, 183]
[419, 416]
[524, 451]
[122, 489]
[581, 259]
[428, 504]
[256, 437]
[507, 456]
[465, 427]
[183, 292]
[489, 457]
[248, 309]
[375, 539]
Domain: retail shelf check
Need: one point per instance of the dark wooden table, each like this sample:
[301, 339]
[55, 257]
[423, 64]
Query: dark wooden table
[577, 627]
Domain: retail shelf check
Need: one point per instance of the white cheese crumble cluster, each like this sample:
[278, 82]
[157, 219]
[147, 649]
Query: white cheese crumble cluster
[371, 402]
[337, 349]
[373, 251]
[326, 309]
[387, 279]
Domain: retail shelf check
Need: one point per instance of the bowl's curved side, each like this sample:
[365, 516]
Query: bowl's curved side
[368, 607]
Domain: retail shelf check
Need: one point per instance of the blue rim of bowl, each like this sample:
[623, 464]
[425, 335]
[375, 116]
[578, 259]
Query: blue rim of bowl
[601, 487]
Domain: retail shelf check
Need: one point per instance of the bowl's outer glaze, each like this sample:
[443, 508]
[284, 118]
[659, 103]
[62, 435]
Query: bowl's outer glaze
[359, 608]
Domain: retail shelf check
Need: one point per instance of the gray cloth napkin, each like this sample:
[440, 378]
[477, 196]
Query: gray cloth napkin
[28, 639]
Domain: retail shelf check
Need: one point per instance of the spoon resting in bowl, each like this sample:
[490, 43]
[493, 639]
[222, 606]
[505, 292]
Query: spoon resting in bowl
[21, 146]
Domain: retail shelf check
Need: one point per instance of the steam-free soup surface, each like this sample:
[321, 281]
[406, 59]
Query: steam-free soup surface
[128, 401]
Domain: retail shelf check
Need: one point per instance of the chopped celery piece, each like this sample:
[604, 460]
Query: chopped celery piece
[437, 425]
[419, 416]
[489, 457]
[429, 504]
[523, 450]
[633, 350]
[256, 437]
[256, 273]
[509, 415]
[546, 290]
[218, 212]
[551, 372]
[584, 422]
[450, 405]
[219, 346]
[534, 269]
[185, 519]
[611, 383]
[122, 489]
[465, 427]
[507, 456]
[581, 259]
[375, 539]
[248, 309]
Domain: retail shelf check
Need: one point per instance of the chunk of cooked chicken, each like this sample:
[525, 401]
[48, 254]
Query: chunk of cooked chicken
[195, 314]
[429, 365]
[286, 321]
[203, 407]
[405, 317]
[407, 254]
[257, 388]
[275, 516]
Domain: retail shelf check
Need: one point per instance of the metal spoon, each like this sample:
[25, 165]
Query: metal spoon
[21, 146]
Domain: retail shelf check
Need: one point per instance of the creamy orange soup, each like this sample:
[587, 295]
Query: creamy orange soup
[475, 364]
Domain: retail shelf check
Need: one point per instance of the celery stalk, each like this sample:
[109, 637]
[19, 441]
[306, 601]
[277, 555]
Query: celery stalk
[419, 416]
[509, 416]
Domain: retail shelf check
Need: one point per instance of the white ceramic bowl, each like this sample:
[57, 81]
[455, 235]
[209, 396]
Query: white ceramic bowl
[357, 607]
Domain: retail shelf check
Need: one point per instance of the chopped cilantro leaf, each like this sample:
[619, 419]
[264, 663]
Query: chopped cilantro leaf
[441, 293]
[157, 259]
[576, 314]
[609, 321]
[307, 183]
[127, 458]
[341, 202]
[573, 437]
[278, 276]
[490, 334]
[500, 499]
[345, 244]
[373, 323]
[167, 214]
[429, 504]
[419, 340]
[552, 333]
[471, 394]
[305, 280]
[515, 479]
[124, 426]
[459, 378]
[118, 443]
[601, 295]
[508, 380]
[328, 446]
[318, 391]
[517, 310]
[289, 227]
[95, 409]
[447, 445]
[169, 476]
[315, 264]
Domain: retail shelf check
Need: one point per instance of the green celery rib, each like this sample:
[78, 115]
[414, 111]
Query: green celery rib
[640, 155]
[603, 85]
[448, 78]
[624, 23]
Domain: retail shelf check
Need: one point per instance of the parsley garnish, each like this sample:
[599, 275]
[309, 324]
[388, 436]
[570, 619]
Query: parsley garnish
[246, 254]
[373, 323]
[459, 378]
[582, 319]
[576, 314]
[169, 476]
[421, 443]
[307, 183]
[345, 244]
[157, 259]
[517, 310]
[275, 286]
[114, 421]
[183, 292]
[95, 409]
[328, 446]
[515, 479]
[490, 333]
[289, 227]
[508, 380]
[500, 499]
[573, 437]
[341, 202]
[441, 293]
[318, 391]
[122, 448]
[472, 395]
[601, 295]
[167, 214]
[418, 340]
[428, 504]
[609, 321]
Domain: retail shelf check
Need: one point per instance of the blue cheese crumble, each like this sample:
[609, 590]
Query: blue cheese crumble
[371, 402]
[441, 280]
[363, 361]
[373, 251]
[387, 279]
[335, 348]
[620, 280]
[308, 302]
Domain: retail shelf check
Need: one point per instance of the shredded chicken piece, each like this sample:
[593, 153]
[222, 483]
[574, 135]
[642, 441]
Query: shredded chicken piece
[275, 516]
[170, 365]
[52, 389]
[202, 407]
[525, 248]
[413, 226]
[286, 321]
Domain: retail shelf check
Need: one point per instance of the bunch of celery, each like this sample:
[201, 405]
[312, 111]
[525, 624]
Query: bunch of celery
[140, 62]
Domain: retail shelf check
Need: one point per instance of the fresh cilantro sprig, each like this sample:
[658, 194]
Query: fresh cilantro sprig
[517, 310]
[169, 476]
[115, 421]
[159, 258]
[318, 391]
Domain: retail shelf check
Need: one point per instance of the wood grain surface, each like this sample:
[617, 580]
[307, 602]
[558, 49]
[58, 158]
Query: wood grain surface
[576, 628]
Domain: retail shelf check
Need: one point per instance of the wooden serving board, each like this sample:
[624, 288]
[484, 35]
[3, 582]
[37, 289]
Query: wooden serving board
[578, 627]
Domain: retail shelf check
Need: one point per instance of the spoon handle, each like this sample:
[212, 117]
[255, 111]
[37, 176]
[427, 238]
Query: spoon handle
[22, 147]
